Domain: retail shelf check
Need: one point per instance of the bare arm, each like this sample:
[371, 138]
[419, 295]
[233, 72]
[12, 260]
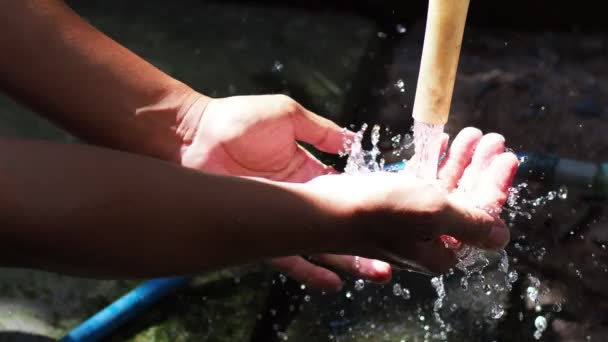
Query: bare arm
[97, 212]
[55, 62]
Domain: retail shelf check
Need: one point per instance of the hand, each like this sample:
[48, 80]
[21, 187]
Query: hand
[256, 136]
[399, 218]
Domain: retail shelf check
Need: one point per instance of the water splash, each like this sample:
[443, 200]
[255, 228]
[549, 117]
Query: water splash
[359, 160]
[472, 262]
[437, 283]
[520, 201]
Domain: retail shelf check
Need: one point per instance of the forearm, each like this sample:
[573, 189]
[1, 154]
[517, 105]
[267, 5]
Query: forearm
[85, 210]
[56, 63]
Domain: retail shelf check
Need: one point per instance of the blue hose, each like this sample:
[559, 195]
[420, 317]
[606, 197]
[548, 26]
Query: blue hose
[126, 307]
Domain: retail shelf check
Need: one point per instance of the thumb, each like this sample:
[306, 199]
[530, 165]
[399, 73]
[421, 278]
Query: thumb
[320, 132]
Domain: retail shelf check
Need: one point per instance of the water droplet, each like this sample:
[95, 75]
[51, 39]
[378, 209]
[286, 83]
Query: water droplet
[532, 293]
[400, 28]
[283, 278]
[406, 294]
[341, 313]
[540, 323]
[512, 277]
[562, 193]
[359, 284]
[533, 280]
[557, 307]
[307, 298]
[400, 85]
[397, 290]
[348, 295]
[497, 311]
[277, 66]
[381, 35]
[302, 287]
[357, 262]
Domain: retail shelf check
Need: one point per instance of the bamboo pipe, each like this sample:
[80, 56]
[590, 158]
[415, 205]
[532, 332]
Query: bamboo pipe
[439, 62]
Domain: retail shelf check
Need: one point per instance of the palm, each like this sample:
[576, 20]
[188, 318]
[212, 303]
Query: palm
[251, 136]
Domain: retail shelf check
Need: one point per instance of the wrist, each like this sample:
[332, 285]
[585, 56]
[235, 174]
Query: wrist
[188, 118]
[339, 226]
[172, 121]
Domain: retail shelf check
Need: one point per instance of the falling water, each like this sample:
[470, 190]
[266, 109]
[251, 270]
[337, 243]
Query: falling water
[427, 142]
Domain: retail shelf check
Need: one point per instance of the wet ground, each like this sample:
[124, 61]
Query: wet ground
[545, 91]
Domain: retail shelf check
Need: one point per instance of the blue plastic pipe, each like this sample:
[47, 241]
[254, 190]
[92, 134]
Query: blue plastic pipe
[126, 307]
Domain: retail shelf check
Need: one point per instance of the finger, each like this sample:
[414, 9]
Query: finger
[311, 275]
[489, 147]
[436, 257]
[412, 164]
[458, 157]
[373, 270]
[303, 167]
[320, 132]
[429, 258]
[473, 226]
[493, 187]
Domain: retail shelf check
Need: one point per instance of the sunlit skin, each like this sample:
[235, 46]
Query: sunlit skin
[105, 94]
[255, 136]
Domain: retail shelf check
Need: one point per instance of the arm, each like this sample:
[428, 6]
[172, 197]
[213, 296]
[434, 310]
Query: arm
[81, 209]
[97, 212]
[55, 62]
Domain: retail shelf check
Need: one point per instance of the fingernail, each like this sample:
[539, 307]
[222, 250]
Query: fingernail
[450, 242]
[498, 238]
[381, 266]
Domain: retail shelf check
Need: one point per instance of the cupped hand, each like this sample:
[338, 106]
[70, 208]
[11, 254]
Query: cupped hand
[400, 218]
[257, 136]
